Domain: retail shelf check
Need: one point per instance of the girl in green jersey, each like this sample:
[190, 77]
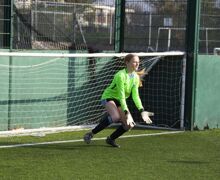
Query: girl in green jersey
[125, 83]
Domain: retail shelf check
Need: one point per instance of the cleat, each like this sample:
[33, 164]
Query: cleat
[87, 137]
[112, 142]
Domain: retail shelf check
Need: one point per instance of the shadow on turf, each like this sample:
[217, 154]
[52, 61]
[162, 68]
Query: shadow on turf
[188, 162]
[69, 147]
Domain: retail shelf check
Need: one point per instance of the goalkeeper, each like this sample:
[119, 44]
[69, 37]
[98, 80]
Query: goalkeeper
[125, 83]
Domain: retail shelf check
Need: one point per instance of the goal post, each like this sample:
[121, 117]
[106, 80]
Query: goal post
[166, 37]
[63, 89]
[216, 51]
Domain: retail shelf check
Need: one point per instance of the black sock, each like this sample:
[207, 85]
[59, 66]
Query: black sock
[118, 132]
[105, 121]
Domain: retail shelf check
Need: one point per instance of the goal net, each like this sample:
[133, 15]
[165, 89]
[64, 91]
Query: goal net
[61, 89]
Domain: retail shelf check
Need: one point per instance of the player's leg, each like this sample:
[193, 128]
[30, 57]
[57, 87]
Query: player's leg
[111, 116]
[120, 130]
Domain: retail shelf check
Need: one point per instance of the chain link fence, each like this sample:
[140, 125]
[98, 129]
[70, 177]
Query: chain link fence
[149, 25]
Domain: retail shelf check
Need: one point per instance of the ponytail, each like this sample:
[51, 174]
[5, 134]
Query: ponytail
[141, 74]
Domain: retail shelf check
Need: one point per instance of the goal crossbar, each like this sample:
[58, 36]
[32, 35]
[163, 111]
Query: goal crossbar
[63, 55]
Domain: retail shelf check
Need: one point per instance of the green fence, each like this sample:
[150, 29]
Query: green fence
[96, 25]
[104, 25]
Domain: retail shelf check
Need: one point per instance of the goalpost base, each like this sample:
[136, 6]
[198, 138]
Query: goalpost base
[43, 131]
[40, 132]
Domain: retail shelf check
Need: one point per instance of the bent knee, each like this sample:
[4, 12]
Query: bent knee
[115, 118]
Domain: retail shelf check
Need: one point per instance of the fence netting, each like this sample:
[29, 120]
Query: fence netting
[149, 26]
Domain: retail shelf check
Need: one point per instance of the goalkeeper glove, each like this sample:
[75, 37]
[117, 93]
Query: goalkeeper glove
[145, 116]
[129, 120]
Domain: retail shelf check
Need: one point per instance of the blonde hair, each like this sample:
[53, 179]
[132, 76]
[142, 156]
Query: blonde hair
[141, 74]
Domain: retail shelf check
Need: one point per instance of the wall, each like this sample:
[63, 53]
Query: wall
[207, 93]
[4, 79]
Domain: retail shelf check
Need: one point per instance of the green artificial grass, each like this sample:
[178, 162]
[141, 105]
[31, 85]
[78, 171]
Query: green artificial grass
[187, 155]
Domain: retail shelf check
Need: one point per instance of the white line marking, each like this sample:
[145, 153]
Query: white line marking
[81, 140]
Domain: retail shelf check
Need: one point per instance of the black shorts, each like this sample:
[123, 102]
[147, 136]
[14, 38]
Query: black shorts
[117, 103]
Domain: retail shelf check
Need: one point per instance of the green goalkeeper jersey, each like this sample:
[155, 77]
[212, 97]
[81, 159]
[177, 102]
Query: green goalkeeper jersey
[122, 86]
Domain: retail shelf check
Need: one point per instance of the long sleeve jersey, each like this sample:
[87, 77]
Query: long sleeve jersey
[122, 86]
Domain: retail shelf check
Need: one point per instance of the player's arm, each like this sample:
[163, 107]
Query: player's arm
[126, 117]
[119, 80]
[136, 98]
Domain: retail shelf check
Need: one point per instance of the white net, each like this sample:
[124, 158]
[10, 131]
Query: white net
[61, 89]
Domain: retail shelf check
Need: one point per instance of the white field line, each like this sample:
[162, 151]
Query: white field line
[81, 140]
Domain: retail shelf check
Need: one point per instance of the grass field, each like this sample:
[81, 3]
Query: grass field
[187, 155]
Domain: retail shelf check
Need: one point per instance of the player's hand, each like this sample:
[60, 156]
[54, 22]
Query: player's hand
[129, 120]
[145, 116]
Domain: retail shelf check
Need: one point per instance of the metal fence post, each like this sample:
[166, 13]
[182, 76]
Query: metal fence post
[192, 44]
[119, 25]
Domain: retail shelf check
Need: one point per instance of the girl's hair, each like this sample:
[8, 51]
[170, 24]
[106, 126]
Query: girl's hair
[128, 57]
[141, 74]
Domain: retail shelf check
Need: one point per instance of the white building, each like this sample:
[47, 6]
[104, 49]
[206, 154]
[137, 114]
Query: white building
[22, 3]
[217, 3]
[104, 14]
